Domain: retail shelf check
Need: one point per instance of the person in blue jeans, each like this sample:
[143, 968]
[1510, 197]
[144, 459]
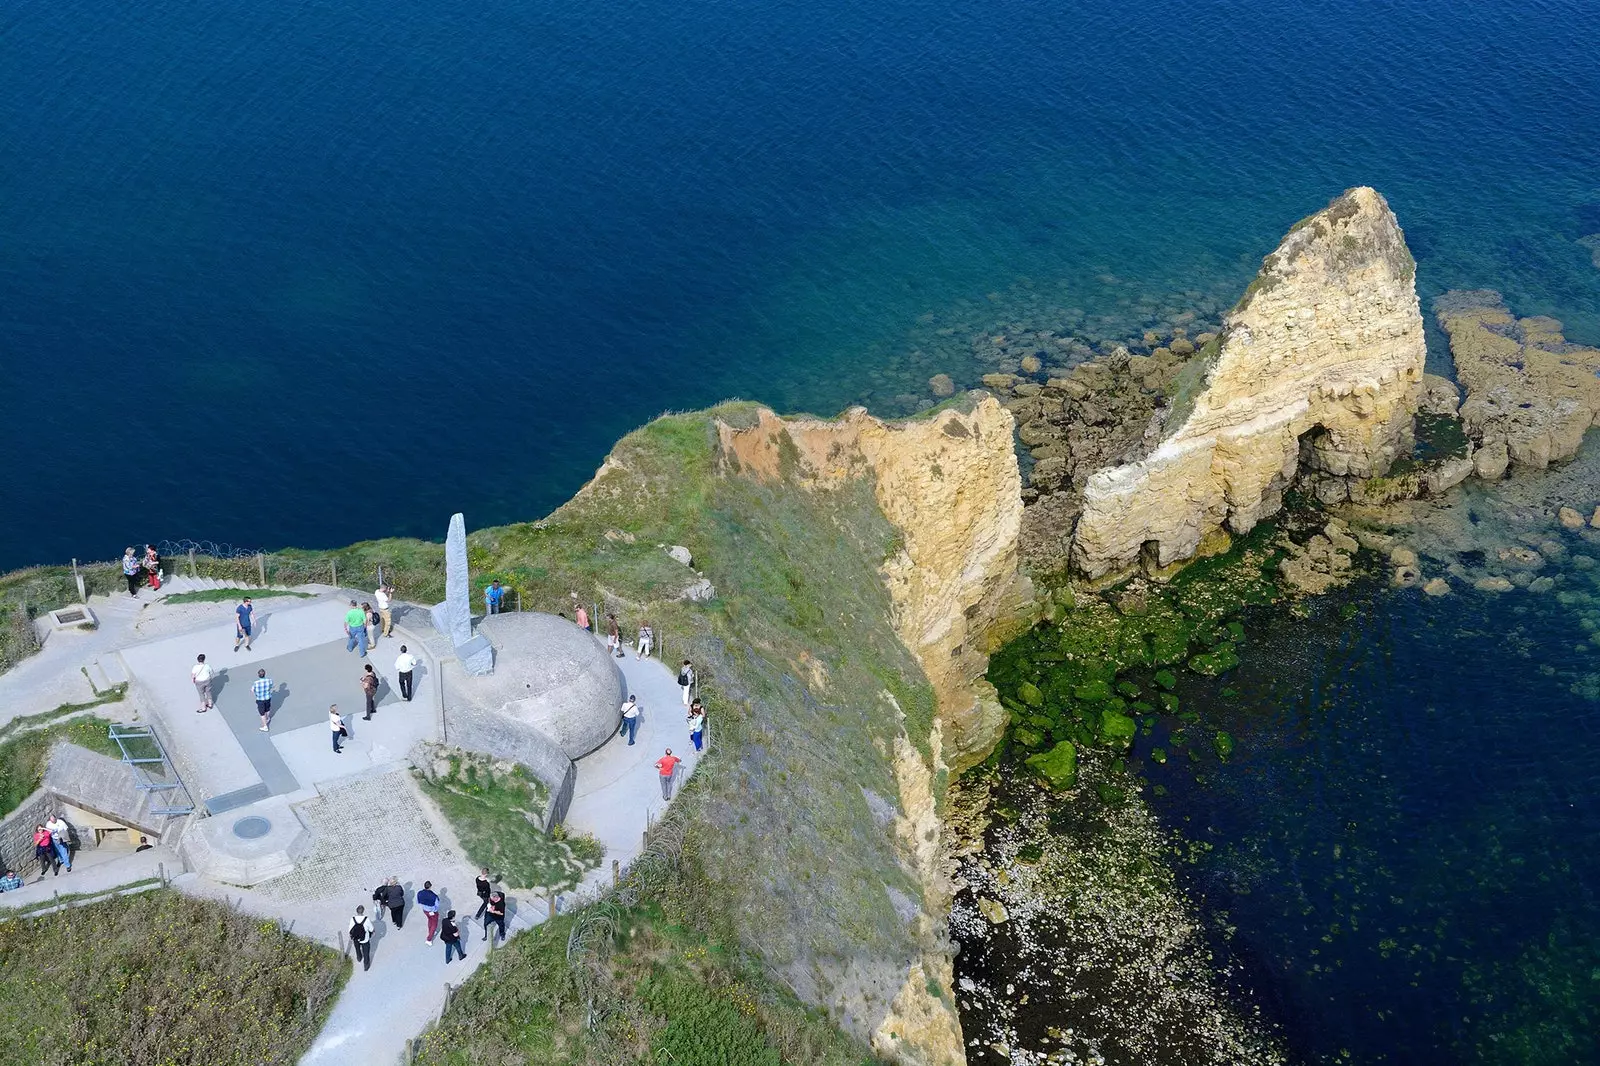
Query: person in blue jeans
[450, 933]
[493, 596]
[336, 724]
[630, 719]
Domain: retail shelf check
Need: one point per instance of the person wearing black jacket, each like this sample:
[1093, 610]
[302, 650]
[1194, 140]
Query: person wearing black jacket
[495, 915]
[484, 888]
[391, 895]
[450, 933]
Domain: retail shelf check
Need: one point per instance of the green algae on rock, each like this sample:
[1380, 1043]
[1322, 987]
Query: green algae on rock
[1058, 766]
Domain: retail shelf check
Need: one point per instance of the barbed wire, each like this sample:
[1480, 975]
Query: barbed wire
[215, 549]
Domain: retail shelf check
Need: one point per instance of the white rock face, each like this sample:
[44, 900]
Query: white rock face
[1326, 344]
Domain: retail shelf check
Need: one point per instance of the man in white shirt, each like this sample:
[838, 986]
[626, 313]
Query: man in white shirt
[383, 599]
[61, 839]
[201, 676]
[403, 666]
[630, 719]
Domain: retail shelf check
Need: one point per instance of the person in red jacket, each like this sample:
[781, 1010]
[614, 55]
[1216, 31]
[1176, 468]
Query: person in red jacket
[667, 767]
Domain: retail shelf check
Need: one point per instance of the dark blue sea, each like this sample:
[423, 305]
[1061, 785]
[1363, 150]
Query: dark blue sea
[311, 271]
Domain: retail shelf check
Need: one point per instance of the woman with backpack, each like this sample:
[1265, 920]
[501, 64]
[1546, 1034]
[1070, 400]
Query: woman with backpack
[686, 680]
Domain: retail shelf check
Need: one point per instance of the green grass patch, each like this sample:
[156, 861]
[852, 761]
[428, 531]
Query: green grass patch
[161, 979]
[23, 757]
[230, 594]
[496, 810]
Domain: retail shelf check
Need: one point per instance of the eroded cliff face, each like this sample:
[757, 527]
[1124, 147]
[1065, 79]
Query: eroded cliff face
[1321, 362]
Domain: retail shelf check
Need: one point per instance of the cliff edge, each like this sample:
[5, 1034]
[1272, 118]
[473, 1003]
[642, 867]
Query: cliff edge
[1320, 363]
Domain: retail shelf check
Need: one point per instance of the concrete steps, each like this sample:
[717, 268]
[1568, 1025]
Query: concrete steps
[106, 672]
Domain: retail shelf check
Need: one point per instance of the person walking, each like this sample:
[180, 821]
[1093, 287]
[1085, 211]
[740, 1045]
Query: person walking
[493, 597]
[44, 849]
[262, 690]
[450, 933]
[697, 723]
[405, 666]
[667, 766]
[496, 916]
[132, 572]
[384, 598]
[485, 889]
[61, 838]
[152, 567]
[374, 623]
[355, 629]
[614, 637]
[361, 929]
[391, 895]
[580, 615]
[685, 680]
[646, 638]
[630, 719]
[244, 619]
[428, 900]
[201, 676]
[369, 685]
[336, 724]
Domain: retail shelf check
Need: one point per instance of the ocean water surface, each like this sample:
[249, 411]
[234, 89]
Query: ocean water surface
[308, 272]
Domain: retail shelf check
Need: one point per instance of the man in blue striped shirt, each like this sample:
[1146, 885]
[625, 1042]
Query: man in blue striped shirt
[263, 691]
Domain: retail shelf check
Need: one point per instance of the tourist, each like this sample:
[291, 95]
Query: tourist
[144, 843]
[667, 766]
[405, 668]
[152, 567]
[485, 888]
[428, 900]
[336, 724]
[361, 937]
[646, 638]
[391, 895]
[131, 570]
[493, 597]
[581, 616]
[244, 618]
[369, 685]
[450, 933]
[10, 882]
[263, 693]
[495, 915]
[630, 719]
[61, 838]
[685, 680]
[697, 722]
[44, 849]
[614, 636]
[373, 623]
[355, 628]
[201, 676]
[384, 598]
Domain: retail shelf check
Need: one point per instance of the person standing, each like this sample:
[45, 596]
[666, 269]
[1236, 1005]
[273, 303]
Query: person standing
[355, 628]
[493, 597]
[152, 567]
[614, 637]
[450, 933]
[336, 724]
[391, 895]
[132, 572]
[581, 615]
[44, 849]
[10, 882]
[361, 937]
[428, 900]
[667, 766]
[369, 685]
[384, 598]
[61, 839]
[485, 889]
[697, 723]
[496, 916]
[262, 690]
[647, 637]
[201, 676]
[685, 680]
[405, 667]
[630, 719]
[244, 619]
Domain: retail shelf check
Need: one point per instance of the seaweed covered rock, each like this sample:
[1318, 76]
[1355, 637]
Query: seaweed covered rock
[1058, 766]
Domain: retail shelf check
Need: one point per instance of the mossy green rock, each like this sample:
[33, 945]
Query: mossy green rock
[1128, 689]
[1220, 661]
[1223, 743]
[1169, 703]
[1117, 729]
[1029, 693]
[1058, 766]
[1167, 679]
[1027, 737]
[1158, 755]
[1093, 691]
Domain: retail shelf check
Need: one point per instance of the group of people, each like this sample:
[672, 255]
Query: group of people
[139, 570]
[364, 622]
[52, 846]
[391, 897]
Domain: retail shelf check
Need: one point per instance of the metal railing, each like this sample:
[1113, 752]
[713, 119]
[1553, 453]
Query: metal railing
[153, 772]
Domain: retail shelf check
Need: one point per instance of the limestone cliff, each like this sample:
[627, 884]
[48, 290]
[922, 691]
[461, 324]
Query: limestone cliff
[950, 485]
[1320, 362]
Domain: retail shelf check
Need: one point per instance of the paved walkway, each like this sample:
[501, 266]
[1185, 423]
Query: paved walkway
[95, 870]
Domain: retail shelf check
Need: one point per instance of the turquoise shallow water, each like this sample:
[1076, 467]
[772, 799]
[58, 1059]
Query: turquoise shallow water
[305, 273]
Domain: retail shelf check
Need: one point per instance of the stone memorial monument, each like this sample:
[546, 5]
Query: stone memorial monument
[453, 617]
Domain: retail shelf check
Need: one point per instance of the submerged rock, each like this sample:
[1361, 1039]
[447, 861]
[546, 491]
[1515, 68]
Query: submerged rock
[1569, 518]
[1493, 584]
[941, 385]
[992, 909]
[1437, 587]
[1058, 766]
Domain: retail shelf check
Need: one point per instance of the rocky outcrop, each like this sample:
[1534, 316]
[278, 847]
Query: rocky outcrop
[1531, 396]
[1319, 365]
[951, 486]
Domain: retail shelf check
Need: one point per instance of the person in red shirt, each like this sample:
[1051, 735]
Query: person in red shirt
[667, 767]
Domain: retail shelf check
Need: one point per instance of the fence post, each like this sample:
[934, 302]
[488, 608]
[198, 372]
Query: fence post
[261, 568]
[519, 601]
[193, 570]
[616, 868]
[335, 564]
[550, 901]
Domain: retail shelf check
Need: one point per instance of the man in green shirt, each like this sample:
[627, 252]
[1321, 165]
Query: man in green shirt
[355, 628]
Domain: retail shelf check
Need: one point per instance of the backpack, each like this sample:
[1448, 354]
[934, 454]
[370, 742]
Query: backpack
[358, 932]
[683, 677]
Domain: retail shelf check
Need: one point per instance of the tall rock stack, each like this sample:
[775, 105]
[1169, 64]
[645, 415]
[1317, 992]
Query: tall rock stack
[1321, 362]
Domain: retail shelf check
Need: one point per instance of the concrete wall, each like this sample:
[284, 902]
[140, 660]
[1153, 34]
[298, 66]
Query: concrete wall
[16, 831]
